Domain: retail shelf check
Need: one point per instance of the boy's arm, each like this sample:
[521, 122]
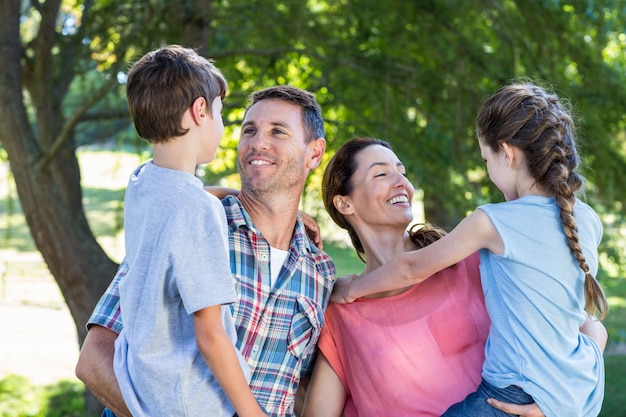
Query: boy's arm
[220, 355]
[95, 369]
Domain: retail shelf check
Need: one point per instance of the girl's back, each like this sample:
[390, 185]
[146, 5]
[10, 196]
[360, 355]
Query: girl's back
[535, 298]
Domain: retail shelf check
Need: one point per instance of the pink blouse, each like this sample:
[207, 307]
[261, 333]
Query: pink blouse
[412, 354]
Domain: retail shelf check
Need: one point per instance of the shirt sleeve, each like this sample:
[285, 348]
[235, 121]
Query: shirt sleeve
[107, 311]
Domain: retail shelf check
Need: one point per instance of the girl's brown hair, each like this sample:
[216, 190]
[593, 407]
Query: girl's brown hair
[540, 125]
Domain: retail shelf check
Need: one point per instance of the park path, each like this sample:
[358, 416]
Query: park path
[38, 338]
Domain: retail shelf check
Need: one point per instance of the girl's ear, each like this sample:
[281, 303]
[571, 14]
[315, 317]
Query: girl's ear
[342, 204]
[510, 153]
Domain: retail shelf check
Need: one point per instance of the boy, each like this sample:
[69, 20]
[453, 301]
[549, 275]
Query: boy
[176, 353]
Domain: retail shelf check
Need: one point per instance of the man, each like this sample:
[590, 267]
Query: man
[283, 281]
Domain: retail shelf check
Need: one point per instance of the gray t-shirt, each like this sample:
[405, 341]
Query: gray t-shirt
[177, 251]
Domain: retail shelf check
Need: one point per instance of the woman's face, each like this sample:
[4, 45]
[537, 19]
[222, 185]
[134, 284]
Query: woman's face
[381, 194]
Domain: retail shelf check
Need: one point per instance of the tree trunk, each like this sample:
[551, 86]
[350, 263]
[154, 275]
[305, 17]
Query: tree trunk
[49, 193]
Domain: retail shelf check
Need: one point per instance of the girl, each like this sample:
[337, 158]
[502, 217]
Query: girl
[538, 253]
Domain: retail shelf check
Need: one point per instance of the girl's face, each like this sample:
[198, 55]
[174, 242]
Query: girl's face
[381, 195]
[499, 170]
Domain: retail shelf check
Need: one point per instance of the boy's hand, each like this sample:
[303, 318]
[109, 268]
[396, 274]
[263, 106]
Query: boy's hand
[312, 229]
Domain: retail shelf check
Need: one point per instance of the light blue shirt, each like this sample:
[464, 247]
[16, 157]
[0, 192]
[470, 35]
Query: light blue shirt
[178, 257]
[535, 298]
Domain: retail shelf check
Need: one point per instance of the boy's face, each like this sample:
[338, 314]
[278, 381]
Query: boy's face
[214, 129]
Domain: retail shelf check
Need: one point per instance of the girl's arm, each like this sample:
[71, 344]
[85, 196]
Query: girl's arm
[220, 355]
[474, 232]
[325, 396]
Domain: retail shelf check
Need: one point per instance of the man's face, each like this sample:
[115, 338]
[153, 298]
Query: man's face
[272, 155]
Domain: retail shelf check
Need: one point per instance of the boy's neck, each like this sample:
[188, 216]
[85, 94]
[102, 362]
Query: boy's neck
[173, 155]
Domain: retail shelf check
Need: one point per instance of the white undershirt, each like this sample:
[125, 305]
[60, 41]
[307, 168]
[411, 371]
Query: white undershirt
[277, 260]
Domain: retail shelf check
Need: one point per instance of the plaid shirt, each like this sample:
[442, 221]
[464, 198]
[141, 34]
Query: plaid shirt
[277, 328]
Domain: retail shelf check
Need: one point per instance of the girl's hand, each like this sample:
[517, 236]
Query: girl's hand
[340, 290]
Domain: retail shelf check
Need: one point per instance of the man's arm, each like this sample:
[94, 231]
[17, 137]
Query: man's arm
[95, 369]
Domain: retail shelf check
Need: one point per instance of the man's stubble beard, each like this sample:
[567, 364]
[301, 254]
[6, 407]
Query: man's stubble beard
[282, 182]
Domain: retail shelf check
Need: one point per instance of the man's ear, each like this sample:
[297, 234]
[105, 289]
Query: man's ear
[316, 152]
[342, 204]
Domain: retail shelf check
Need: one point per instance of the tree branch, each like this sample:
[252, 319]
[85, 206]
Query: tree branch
[76, 118]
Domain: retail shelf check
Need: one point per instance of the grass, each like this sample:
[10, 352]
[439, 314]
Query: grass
[103, 187]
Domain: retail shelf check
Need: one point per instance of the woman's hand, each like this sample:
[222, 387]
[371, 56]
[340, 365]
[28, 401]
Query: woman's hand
[340, 290]
[527, 410]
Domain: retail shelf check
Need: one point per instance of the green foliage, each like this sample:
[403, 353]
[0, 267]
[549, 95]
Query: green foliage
[613, 406]
[18, 398]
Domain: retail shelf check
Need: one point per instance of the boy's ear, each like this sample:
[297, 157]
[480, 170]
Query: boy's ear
[199, 110]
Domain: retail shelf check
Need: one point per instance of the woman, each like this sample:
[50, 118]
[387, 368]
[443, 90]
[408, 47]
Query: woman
[409, 352]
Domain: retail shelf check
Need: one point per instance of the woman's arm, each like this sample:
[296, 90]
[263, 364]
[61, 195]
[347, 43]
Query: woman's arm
[527, 410]
[325, 395]
[594, 328]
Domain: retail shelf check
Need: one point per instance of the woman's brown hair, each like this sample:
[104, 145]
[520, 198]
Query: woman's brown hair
[337, 180]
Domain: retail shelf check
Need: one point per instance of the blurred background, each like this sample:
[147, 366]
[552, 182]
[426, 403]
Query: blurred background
[413, 73]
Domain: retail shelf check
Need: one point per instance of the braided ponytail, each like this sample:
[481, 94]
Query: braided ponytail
[539, 124]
